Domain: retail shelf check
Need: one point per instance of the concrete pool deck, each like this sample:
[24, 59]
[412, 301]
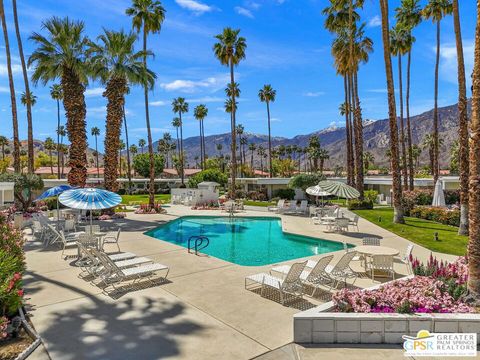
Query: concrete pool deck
[203, 312]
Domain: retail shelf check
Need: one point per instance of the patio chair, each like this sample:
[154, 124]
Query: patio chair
[303, 209]
[383, 263]
[92, 229]
[342, 270]
[112, 237]
[278, 207]
[290, 285]
[69, 225]
[291, 209]
[371, 241]
[341, 224]
[405, 259]
[38, 231]
[354, 222]
[313, 276]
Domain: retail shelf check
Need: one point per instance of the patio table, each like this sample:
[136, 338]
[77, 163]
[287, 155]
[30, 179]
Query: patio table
[371, 250]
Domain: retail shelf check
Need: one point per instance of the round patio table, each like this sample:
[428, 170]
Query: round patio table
[370, 250]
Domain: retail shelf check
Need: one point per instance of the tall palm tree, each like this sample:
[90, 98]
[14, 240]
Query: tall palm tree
[230, 50]
[147, 17]
[49, 145]
[62, 55]
[29, 100]
[252, 147]
[239, 129]
[180, 106]
[141, 144]
[392, 114]
[62, 149]
[399, 40]
[116, 64]
[3, 142]
[28, 104]
[462, 123]
[129, 163]
[200, 113]
[167, 138]
[267, 94]
[436, 10]
[121, 147]
[409, 15]
[176, 124]
[56, 94]
[474, 184]
[323, 155]
[13, 101]
[95, 131]
[368, 159]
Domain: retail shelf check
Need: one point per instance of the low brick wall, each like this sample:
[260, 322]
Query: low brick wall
[322, 326]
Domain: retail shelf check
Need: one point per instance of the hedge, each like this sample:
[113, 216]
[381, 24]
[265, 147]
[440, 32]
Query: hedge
[440, 215]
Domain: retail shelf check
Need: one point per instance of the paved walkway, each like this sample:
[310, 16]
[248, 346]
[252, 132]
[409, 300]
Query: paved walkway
[203, 312]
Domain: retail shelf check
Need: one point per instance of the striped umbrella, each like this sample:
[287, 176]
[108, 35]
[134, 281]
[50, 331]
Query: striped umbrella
[54, 191]
[89, 199]
[339, 189]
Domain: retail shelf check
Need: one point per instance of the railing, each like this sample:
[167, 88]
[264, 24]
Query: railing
[199, 243]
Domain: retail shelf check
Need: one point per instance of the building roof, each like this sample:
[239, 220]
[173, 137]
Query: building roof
[188, 172]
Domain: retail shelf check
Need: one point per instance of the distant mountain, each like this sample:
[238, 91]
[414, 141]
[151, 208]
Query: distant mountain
[376, 138]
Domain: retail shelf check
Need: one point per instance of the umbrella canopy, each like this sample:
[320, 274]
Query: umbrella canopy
[54, 191]
[339, 189]
[89, 199]
[316, 191]
[438, 195]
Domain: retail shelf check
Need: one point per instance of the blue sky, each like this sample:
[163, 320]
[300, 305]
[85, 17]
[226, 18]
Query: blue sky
[287, 48]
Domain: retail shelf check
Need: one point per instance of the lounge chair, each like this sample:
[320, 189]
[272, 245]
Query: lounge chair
[291, 209]
[354, 222]
[314, 276]
[342, 269]
[291, 284]
[303, 209]
[383, 263]
[112, 237]
[278, 207]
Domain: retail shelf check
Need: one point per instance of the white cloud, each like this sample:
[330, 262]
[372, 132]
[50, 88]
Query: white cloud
[375, 21]
[16, 69]
[206, 99]
[158, 103]
[213, 83]
[194, 6]
[154, 130]
[314, 93]
[274, 119]
[4, 89]
[252, 5]
[244, 12]
[98, 91]
[448, 63]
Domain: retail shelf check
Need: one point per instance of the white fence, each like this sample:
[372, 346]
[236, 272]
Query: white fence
[194, 197]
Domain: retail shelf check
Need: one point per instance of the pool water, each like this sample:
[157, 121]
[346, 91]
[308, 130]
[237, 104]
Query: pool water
[248, 241]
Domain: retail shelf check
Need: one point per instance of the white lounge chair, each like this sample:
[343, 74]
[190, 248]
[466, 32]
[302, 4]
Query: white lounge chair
[112, 237]
[291, 209]
[342, 269]
[303, 209]
[291, 284]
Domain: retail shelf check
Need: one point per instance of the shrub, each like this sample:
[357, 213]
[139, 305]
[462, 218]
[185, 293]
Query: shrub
[24, 186]
[287, 194]
[360, 205]
[208, 175]
[441, 215]
[303, 181]
[121, 191]
[256, 196]
[452, 197]
[410, 199]
[141, 164]
[146, 209]
[370, 195]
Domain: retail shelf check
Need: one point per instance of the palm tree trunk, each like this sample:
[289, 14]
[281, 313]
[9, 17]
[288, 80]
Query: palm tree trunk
[402, 128]
[58, 138]
[358, 128]
[234, 135]
[75, 108]
[204, 148]
[96, 156]
[474, 183]
[51, 161]
[151, 190]
[351, 111]
[182, 155]
[347, 127]
[396, 179]
[13, 101]
[435, 111]
[129, 166]
[178, 144]
[462, 124]
[31, 157]
[411, 171]
[201, 144]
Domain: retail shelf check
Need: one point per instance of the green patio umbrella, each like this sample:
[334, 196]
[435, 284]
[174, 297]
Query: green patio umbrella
[339, 189]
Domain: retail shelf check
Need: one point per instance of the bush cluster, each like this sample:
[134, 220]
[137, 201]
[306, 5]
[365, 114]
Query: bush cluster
[287, 194]
[208, 175]
[360, 204]
[256, 196]
[441, 215]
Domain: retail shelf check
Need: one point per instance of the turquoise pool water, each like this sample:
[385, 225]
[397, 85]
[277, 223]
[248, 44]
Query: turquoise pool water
[248, 241]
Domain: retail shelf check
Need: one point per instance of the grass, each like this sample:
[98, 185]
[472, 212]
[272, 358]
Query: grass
[143, 199]
[259, 203]
[419, 231]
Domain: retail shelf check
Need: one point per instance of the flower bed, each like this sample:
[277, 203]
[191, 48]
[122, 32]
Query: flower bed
[437, 288]
[146, 209]
[213, 205]
[447, 216]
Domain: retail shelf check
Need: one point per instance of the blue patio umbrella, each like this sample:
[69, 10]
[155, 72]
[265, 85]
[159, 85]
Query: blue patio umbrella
[90, 199]
[54, 191]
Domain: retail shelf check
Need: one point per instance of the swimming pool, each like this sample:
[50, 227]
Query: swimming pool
[248, 241]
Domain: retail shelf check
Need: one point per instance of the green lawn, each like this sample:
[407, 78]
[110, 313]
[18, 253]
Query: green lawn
[259, 203]
[419, 231]
[143, 199]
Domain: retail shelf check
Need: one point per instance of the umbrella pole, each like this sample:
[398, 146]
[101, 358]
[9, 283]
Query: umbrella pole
[58, 214]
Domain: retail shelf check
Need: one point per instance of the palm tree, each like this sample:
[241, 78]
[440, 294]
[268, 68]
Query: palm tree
[13, 101]
[62, 55]
[474, 185]
[121, 147]
[462, 123]
[176, 124]
[261, 154]
[167, 138]
[323, 155]
[28, 104]
[230, 50]
[133, 150]
[252, 147]
[50, 146]
[399, 40]
[368, 159]
[95, 131]
[29, 100]
[409, 16]
[180, 106]
[267, 94]
[416, 152]
[141, 144]
[392, 114]
[3, 142]
[436, 10]
[239, 129]
[117, 65]
[56, 93]
[147, 16]
[129, 166]
[61, 133]
[200, 113]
